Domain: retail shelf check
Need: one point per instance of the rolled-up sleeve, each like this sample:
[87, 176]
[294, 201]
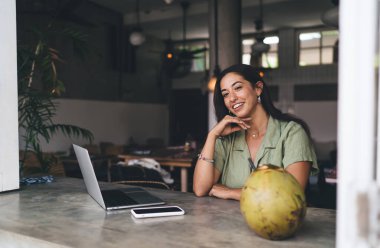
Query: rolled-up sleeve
[298, 148]
[219, 154]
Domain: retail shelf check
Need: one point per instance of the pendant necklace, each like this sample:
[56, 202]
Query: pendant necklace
[255, 134]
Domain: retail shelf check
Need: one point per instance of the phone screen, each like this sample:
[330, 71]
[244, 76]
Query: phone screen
[156, 210]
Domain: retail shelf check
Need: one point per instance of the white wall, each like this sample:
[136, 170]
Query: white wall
[321, 118]
[9, 164]
[110, 122]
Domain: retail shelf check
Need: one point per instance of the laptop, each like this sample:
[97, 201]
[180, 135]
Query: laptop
[112, 199]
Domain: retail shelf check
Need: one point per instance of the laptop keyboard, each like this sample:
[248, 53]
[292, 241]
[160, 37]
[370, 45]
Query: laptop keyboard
[117, 198]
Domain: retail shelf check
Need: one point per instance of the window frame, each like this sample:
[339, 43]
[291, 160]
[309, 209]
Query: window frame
[320, 47]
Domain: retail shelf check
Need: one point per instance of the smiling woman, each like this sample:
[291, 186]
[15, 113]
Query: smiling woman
[250, 132]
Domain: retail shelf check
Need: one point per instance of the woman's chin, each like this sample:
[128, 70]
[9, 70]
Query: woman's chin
[241, 114]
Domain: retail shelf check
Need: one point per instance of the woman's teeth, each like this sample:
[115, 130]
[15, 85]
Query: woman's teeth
[237, 105]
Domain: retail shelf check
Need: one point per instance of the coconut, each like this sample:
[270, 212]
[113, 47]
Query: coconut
[273, 203]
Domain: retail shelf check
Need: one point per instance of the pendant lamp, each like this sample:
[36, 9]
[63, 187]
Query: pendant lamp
[216, 72]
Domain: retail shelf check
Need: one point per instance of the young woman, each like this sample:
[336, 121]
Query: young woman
[250, 132]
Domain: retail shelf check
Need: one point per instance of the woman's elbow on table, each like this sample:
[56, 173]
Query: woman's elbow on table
[200, 191]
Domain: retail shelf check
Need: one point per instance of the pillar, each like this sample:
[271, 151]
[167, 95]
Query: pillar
[229, 39]
[9, 160]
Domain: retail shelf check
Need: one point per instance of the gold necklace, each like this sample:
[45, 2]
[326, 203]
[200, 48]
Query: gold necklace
[255, 134]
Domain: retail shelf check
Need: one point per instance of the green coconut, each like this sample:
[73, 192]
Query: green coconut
[273, 203]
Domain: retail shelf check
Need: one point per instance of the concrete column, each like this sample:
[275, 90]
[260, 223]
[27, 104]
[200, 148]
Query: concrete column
[287, 52]
[229, 39]
[229, 32]
[9, 160]
[287, 48]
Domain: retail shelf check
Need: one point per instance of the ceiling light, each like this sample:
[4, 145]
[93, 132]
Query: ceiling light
[331, 17]
[271, 40]
[137, 37]
[213, 79]
[168, 1]
[260, 47]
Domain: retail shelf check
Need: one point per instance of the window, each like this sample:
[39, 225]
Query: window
[266, 60]
[318, 47]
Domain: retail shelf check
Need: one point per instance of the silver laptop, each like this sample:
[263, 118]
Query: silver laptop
[114, 198]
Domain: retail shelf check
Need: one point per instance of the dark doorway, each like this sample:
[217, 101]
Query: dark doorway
[188, 116]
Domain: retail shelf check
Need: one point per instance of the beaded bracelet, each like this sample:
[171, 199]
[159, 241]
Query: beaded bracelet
[200, 157]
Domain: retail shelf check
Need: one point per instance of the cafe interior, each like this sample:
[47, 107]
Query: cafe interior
[137, 75]
[132, 81]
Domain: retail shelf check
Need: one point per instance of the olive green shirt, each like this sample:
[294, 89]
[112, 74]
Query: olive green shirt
[284, 143]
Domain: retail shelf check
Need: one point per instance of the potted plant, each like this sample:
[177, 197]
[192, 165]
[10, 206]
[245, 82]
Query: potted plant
[39, 86]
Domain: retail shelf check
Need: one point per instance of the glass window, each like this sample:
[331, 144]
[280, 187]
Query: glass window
[266, 60]
[317, 47]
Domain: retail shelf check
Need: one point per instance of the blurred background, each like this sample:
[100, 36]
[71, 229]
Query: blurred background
[135, 73]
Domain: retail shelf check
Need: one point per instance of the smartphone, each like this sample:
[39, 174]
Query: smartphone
[149, 212]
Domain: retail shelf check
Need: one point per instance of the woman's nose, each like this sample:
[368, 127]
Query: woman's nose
[232, 97]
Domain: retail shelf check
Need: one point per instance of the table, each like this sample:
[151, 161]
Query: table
[62, 214]
[181, 160]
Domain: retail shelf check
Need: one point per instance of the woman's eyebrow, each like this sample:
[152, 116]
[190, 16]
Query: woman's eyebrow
[232, 85]
[236, 83]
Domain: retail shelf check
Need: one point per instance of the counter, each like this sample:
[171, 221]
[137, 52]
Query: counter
[62, 214]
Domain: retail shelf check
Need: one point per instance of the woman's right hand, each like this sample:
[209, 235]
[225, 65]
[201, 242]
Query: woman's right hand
[226, 125]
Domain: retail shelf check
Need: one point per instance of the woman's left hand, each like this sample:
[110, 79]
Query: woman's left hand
[223, 192]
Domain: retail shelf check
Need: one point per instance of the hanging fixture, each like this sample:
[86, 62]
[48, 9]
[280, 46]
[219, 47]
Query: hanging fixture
[168, 1]
[137, 37]
[259, 46]
[212, 81]
[331, 16]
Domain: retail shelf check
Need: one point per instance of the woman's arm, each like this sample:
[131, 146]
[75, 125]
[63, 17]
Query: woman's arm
[223, 192]
[301, 171]
[205, 174]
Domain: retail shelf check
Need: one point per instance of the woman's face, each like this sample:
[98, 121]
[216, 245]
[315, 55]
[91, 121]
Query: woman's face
[239, 96]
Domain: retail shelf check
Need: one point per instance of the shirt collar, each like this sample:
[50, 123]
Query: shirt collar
[270, 139]
[273, 133]
[239, 144]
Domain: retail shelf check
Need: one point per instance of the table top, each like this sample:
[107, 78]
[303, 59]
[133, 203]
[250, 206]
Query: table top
[61, 214]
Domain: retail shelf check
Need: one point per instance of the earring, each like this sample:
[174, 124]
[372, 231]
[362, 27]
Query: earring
[258, 99]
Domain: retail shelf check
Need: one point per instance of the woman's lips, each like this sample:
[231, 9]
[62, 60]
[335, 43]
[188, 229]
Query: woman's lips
[237, 106]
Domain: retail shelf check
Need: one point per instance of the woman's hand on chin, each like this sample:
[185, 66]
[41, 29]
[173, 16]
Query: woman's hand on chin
[223, 192]
[230, 124]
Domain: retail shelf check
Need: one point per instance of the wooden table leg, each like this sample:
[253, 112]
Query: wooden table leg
[183, 179]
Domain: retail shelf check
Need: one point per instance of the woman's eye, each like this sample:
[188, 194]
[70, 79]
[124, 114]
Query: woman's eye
[238, 87]
[225, 95]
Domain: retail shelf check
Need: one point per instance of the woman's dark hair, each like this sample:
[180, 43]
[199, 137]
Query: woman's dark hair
[252, 75]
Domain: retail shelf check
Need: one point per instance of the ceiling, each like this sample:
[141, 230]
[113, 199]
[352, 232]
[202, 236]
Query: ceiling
[159, 19]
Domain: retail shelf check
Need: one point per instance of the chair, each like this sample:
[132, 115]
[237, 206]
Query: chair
[72, 169]
[137, 175]
[149, 184]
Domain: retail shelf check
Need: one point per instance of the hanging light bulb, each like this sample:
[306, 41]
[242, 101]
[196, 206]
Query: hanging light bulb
[331, 16]
[137, 37]
[212, 81]
[168, 1]
[260, 47]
